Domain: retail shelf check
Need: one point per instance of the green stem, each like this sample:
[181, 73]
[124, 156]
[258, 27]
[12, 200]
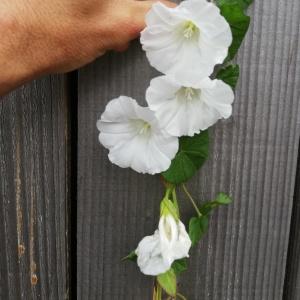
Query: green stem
[168, 192]
[174, 197]
[158, 293]
[181, 296]
[192, 200]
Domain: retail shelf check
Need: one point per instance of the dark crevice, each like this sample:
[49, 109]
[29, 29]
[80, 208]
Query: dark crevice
[72, 135]
[291, 288]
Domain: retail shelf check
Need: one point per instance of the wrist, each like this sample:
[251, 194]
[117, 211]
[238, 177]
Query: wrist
[17, 63]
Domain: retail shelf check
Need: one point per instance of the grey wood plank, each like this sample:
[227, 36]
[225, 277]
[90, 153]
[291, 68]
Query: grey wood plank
[33, 191]
[254, 156]
[292, 276]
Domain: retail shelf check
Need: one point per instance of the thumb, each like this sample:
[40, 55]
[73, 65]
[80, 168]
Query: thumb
[135, 22]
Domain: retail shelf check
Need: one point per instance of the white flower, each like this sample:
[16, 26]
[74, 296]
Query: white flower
[156, 253]
[134, 138]
[187, 41]
[149, 258]
[174, 240]
[184, 110]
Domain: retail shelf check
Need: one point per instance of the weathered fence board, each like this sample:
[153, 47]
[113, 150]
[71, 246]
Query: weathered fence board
[292, 278]
[33, 190]
[253, 158]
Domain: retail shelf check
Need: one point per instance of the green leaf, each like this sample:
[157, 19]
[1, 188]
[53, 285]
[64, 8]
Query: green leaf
[206, 208]
[168, 282]
[192, 153]
[229, 75]
[239, 24]
[197, 228]
[242, 3]
[198, 225]
[222, 199]
[179, 265]
[131, 256]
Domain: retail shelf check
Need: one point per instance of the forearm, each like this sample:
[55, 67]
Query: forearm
[56, 36]
[14, 57]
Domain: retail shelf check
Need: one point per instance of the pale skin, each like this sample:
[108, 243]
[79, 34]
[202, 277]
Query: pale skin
[58, 36]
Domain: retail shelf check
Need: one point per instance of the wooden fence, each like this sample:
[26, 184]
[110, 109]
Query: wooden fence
[67, 215]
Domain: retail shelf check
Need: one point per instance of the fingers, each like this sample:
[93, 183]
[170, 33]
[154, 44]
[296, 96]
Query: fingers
[131, 24]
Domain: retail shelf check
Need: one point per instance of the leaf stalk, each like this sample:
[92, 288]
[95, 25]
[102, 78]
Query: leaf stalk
[191, 200]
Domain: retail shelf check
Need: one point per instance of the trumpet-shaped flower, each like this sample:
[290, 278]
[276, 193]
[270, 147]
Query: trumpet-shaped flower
[149, 257]
[185, 110]
[134, 137]
[156, 253]
[186, 42]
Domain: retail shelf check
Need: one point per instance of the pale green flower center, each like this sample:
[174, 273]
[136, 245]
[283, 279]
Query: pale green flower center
[141, 127]
[145, 129]
[190, 30]
[188, 94]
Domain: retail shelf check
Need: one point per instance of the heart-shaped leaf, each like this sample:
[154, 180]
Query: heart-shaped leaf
[229, 75]
[197, 228]
[193, 152]
[179, 265]
[239, 24]
[242, 3]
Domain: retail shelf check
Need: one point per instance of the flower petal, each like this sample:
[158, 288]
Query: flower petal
[186, 42]
[168, 231]
[219, 97]
[149, 257]
[183, 244]
[186, 111]
[161, 13]
[175, 242]
[156, 253]
[134, 137]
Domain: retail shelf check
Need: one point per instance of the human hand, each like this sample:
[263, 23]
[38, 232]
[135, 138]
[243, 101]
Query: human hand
[54, 36]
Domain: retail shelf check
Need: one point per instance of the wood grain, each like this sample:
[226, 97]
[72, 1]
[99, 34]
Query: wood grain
[254, 156]
[33, 190]
[292, 277]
